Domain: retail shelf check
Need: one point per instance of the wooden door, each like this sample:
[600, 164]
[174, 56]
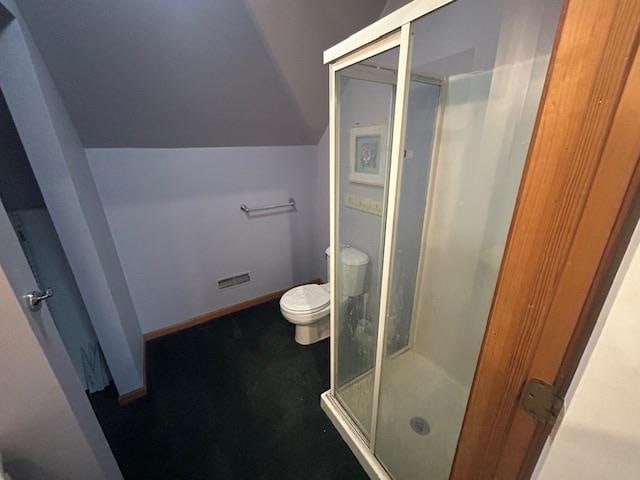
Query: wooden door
[577, 197]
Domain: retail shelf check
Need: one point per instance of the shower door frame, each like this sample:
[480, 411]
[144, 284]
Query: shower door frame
[396, 39]
[570, 260]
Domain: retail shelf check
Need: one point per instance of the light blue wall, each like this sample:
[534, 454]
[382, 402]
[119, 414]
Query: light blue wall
[320, 185]
[178, 228]
[127, 261]
[200, 73]
[363, 103]
[61, 168]
[392, 5]
[18, 186]
[368, 103]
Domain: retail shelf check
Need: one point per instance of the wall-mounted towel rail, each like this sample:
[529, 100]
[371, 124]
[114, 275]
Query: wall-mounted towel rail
[291, 203]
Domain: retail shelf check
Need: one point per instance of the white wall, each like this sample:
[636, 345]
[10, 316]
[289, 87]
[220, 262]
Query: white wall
[599, 435]
[177, 224]
[61, 168]
[321, 203]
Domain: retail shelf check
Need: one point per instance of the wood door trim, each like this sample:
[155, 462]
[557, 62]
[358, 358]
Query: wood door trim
[541, 285]
[622, 147]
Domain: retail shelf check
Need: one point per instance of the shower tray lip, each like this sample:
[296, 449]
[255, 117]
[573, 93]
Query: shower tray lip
[349, 433]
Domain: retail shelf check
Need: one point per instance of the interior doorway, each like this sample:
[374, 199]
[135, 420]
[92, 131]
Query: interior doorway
[23, 201]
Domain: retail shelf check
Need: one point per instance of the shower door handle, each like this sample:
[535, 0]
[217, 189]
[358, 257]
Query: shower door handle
[34, 299]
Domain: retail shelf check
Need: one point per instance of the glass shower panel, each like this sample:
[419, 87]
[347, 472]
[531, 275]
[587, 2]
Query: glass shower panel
[366, 94]
[477, 71]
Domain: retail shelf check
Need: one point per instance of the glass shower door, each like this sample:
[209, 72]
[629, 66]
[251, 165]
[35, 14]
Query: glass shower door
[477, 69]
[365, 93]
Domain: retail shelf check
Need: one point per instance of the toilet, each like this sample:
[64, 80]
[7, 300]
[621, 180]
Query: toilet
[308, 306]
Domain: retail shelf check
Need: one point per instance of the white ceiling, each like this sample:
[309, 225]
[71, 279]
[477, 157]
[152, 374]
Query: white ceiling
[193, 73]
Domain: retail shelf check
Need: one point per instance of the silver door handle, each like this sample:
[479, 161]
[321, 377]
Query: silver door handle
[34, 299]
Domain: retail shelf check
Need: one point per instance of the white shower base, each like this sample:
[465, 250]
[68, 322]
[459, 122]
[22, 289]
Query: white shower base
[411, 386]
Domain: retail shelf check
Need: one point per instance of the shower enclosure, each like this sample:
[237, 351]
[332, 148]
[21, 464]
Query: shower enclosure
[429, 130]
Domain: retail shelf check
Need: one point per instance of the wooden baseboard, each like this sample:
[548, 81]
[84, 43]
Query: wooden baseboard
[138, 392]
[192, 322]
[132, 395]
[207, 317]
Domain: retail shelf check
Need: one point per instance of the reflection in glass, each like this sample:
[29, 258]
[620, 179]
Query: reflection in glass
[366, 94]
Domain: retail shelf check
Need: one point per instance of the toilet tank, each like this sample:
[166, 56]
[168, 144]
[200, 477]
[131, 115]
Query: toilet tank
[354, 268]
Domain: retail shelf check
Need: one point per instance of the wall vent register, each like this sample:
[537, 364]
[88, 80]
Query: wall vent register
[233, 281]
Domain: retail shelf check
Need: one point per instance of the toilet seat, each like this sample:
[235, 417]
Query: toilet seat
[306, 298]
[306, 303]
[305, 318]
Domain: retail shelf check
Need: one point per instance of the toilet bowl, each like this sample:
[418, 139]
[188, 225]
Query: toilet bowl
[308, 307]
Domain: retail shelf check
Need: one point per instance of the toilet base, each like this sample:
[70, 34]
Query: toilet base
[318, 330]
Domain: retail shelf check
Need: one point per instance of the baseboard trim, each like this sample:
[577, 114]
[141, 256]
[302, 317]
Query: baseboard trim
[138, 392]
[192, 322]
[132, 395]
[351, 435]
[222, 312]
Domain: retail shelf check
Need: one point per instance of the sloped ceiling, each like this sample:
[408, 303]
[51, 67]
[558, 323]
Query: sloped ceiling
[193, 73]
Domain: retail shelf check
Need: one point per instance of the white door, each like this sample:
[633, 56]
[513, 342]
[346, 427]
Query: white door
[47, 426]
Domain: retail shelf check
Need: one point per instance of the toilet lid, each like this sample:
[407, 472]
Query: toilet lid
[305, 298]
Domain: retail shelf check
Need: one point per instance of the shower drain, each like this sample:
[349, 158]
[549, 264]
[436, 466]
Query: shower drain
[420, 425]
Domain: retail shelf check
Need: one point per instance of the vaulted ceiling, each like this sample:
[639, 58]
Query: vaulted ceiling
[193, 73]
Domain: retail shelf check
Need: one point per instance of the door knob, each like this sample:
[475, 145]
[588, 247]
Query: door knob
[34, 299]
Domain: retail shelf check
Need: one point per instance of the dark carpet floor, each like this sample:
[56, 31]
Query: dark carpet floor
[235, 398]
